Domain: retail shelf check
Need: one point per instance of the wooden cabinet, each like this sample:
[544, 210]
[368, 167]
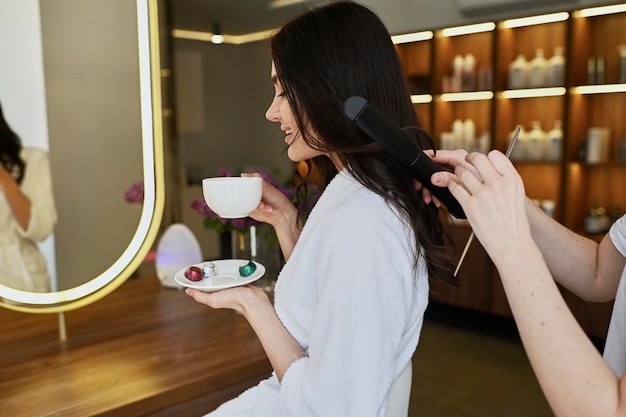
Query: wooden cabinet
[577, 101]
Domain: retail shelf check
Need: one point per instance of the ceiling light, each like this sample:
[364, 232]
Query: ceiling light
[468, 29]
[597, 11]
[535, 20]
[217, 37]
[283, 3]
[412, 37]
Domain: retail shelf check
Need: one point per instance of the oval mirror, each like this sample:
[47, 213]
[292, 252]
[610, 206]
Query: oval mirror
[99, 63]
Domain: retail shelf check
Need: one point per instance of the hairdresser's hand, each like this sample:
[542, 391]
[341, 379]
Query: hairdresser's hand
[492, 194]
[446, 160]
[277, 210]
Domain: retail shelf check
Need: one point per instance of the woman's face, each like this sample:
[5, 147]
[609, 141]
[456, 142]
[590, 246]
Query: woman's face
[280, 112]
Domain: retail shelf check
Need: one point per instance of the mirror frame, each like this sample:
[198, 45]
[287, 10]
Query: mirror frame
[154, 188]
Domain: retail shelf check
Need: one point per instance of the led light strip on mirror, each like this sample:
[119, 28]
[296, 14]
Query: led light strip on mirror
[153, 177]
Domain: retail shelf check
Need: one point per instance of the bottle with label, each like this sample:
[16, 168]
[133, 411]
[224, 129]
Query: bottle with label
[622, 63]
[484, 79]
[597, 220]
[484, 143]
[600, 70]
[554, 143]
[536, 143]
[597, 145]
[458, 133]
[469, 135]
[469, 73]
[457, 73]
[556, 68]
[518, 73]
[537, 70]
[591, 70]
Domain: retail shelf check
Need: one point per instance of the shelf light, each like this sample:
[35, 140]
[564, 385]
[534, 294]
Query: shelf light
[412, 37]
[421, 98]
[468, 29]
[599, 89]
[230, 39]
[599, 11]
[467, 96]
[534, 92]
[535, 20]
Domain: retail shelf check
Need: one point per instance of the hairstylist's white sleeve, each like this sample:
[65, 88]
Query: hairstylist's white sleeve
[618, 235]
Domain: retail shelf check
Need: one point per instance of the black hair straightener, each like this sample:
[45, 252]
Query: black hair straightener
[371, 120]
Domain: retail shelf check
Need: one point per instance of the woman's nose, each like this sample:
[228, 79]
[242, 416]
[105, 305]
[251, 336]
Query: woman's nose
[272, 113]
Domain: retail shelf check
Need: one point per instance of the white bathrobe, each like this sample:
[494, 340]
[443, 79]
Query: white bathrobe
[22, 266]
[350, 296]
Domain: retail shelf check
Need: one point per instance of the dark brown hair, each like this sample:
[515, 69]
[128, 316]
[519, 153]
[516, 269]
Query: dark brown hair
[10, 147]
[329, 54]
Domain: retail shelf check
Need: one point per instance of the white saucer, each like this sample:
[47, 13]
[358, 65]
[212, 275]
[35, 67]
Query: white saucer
[227, 276]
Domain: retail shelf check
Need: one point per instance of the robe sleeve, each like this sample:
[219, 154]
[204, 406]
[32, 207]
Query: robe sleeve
[37, 185]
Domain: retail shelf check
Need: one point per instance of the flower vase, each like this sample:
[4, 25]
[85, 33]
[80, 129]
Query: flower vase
[268, 251]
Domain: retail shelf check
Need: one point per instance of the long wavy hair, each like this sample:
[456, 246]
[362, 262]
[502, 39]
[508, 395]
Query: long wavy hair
[10, 147]
[329, 54]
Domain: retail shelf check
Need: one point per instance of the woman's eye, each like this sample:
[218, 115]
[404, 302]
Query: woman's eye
[281, 94]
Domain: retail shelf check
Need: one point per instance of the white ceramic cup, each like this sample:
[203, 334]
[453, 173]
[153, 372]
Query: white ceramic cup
[232, 197]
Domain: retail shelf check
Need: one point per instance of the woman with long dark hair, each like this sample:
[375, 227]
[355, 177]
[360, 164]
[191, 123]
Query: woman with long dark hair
[27, 212]
[350, 301]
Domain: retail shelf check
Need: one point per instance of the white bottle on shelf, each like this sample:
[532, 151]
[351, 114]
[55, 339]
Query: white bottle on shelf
[556, 68]
[597, 145]
[469, 135]
[518, 73]
[469, 73]
[554, 143]
[458, 133]
[484, 143]
[537, 70]
[457, 73]
[446, 141]
[536, 143]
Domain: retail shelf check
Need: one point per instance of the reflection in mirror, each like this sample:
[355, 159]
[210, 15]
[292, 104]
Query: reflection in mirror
[101, 72]
[91, 75]
[27, 211]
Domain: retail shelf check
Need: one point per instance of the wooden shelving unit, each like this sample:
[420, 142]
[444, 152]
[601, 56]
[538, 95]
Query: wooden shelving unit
[572, 183]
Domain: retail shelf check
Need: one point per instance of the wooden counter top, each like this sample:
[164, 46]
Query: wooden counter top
[143, 350]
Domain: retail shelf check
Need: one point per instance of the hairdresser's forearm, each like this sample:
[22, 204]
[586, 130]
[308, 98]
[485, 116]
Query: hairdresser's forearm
[574, 377]
[575, 261]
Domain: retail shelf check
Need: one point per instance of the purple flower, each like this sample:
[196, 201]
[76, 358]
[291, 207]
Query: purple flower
[135, 193]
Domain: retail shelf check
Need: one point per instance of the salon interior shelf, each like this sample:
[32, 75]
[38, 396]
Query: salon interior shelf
[591, 93]
[143, 350]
